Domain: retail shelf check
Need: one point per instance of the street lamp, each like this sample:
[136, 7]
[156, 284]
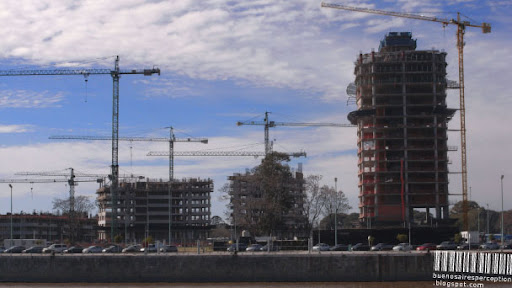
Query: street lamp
[11, 213]
[502, 176]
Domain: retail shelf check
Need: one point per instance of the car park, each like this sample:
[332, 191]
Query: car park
[74, 249]
[168, 248]
[339, 247]
[446, 245]
[131, 249]
[55, 248]
[426, 247]
[112, 249]
[151, 248]
[254, 248]
[321, 247]
[14, 249]
[360, 247]
[92, 249]
[402, 247]
[382, 247]
[490, 246]
[33, 249]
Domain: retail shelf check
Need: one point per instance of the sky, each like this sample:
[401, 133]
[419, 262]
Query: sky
[224, 61]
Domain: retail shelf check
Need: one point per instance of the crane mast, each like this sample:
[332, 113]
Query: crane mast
[461, 29]
[115, 74]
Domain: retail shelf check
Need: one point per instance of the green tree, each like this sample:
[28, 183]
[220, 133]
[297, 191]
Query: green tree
[118, 239]
[402, 238]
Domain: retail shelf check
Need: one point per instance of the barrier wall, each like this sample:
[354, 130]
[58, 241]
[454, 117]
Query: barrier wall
[335, 267]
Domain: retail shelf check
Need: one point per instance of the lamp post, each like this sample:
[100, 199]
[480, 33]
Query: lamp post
[502, 240]
[11, 212]
[336, 211]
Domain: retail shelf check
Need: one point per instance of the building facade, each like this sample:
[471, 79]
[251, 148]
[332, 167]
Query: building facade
[402, 121]
[50, 227]
[143, 210]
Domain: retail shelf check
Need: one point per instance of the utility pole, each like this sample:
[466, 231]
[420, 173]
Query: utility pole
[502, 239]
[11, 213]
[336, 212]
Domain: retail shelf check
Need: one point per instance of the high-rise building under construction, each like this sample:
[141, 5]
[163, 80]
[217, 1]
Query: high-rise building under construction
[402, 132]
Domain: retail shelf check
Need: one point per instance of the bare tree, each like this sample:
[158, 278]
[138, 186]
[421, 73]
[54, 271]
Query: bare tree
[335, 202]
[82, 206]
[314, 203]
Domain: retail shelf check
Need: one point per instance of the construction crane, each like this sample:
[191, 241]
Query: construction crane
[269, 124]
[171, 141]
[461, 30]
[116, 74]
[222, 153]
[71, 180]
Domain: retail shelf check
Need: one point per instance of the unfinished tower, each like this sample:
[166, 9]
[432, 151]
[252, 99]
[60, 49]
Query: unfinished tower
[402, 132]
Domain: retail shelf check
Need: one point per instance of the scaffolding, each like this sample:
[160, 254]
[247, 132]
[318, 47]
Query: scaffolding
[402, 131]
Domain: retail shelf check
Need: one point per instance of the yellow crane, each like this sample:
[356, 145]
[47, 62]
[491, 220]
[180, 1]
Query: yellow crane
[461, 30]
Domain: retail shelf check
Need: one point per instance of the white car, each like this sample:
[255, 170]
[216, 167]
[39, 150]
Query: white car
[56, 248]
[321, 247]
[402, 247]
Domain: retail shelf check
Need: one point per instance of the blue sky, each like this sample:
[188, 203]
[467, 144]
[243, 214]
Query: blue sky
[224, 61]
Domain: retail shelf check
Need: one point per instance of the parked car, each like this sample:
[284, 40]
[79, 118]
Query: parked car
[467, 246]
[112, 249]
[402, 247]
[446, 245]
[55, 248]
[168, 248]
[33, 249]
[151, 248]
[92, 249]
[490, 246]
[270, 247]
[241, 247]
[426, 247]
[74, 249]
[2, 249]
[254, 248]
[360, 247]
[506, 246]
[339, 247]
[321, 247]
[131, 249]
[14, 249]
[382, 247]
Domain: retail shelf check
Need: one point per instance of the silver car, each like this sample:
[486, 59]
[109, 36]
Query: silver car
[92, 249]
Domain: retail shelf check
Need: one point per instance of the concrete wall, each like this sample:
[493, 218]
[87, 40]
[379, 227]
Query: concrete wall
[217, 268]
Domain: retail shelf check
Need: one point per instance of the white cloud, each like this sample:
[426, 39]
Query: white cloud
[29, 99]
[4, 129]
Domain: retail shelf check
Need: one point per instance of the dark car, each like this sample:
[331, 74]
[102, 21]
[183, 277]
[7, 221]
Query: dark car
[241, 247]
[33, 249]
[382, 247]
[270, 247]
[447, 245]
[467, 246]
[169, 248]
[112, 249]
[339, 247]
[151, 248]
[74, 249]
[92, 249]
[14, 249]
[131, 249]
[490, 246]
[360, 247]
[426, 247]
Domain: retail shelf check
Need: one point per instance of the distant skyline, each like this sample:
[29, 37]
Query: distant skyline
[222, 62]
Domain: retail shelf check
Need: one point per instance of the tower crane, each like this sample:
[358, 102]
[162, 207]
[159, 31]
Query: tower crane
[461, 30]
[269, 124]
[221, 153]
[171, 141]
[116, 74]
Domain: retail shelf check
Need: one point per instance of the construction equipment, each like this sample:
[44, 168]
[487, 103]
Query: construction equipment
[222, 153]
[116, 74]
[171, 141]
[461, 30]
[269, 124]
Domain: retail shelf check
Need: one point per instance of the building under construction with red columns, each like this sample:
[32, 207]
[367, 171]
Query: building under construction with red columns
[402, 121]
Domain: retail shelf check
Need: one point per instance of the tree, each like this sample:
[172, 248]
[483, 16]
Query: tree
[263, 198]
[314, 203]
[336, 202]
[82, 206]
[402, 238]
